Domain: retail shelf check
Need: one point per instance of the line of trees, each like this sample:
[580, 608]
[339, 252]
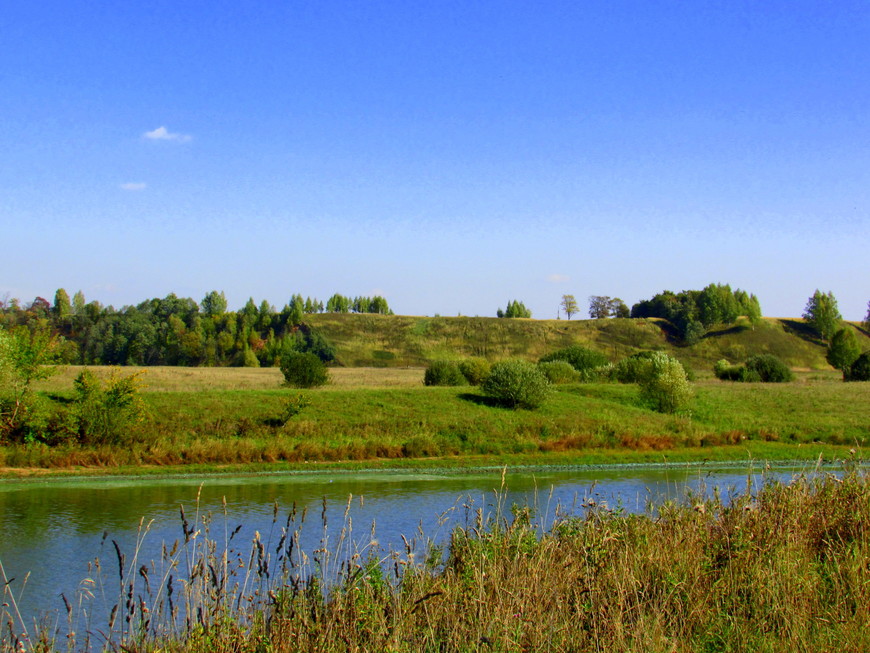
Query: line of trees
[178, 331]
[693, 312]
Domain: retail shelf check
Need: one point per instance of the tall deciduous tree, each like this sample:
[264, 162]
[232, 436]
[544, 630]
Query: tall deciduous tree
[338, 304]
[618, 308]
[843, 350]
[569, 305]
[599, 307]
[214, 304]
[62, 308]
[822, 314]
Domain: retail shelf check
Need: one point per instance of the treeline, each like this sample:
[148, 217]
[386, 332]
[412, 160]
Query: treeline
[178, 331]
[693, 312]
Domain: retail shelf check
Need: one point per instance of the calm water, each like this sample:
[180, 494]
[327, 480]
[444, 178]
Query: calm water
[51, 530]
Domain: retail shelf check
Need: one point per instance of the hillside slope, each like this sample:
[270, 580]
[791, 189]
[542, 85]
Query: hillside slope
[400, 341]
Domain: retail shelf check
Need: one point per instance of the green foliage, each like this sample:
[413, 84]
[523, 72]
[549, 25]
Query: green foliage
[293, 405]
[303, 370]
[569, 305]
[25, 357]
[693, 312]
[769, 368]
[728, 372]
[860, 369]
[443, 373]
[602, 306]
[214, 304]
[515, 309]
[822, 314]
[763, 368]
[62, 308]
[666, 388]
[316, 343]
[635, 368]
[338, 304]
[106, 412]
[376, 304]
[582, 359]
[559, 372]
[843, 350]
[517, 384]
[475, 370]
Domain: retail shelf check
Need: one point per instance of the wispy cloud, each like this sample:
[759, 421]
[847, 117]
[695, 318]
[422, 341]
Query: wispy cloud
[558, 278]
[134, 185]
[163, 134]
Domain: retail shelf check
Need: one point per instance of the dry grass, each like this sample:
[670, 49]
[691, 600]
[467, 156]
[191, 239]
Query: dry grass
[199, 379]
[784, 570]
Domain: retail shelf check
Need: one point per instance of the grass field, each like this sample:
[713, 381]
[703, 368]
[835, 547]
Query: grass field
[213, 417]
[406, 341]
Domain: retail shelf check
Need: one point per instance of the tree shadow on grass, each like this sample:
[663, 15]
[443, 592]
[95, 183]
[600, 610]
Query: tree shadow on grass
[802, 330]
[481, 400]
[732, 330]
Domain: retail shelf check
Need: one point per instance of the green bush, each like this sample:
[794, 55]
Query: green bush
[475, 370]
[860, 370]
[582, 359]
[635, 368]
[728, 372]
[558, 372]
[303, 370]
[292, 406]
[443, 373]
[769, 369]
[517, 384]
[667, 387]
[105, 412]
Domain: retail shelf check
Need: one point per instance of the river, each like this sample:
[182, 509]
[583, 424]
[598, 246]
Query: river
[51, 530]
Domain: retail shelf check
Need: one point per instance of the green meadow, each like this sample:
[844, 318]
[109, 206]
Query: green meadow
[230, 418]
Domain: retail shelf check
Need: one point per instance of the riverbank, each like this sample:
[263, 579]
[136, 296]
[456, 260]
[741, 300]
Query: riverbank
[209, 420]
[749, 453]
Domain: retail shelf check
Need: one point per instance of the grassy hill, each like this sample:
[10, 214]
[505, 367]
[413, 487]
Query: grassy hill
[401, 341]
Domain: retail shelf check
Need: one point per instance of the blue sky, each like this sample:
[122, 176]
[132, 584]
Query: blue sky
[448, 155]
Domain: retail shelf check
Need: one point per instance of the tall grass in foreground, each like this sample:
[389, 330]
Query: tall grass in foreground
[786, 568]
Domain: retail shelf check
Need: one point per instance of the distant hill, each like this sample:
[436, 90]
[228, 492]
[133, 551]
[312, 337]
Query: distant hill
[399, 341]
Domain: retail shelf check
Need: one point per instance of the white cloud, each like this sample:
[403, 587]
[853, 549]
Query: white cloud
[134, 185]
[163, 134]
[558, 278]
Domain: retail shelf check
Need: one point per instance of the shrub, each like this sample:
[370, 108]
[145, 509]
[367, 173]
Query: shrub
[303, 370]
[517, 384]
[728, 372]
[860, 370]
[582, 359]
[105, 411]
[443, 373]
[635, 368]
[475, 370]
[559, 372]
[667, 387]
[293, 405]
[769, 369]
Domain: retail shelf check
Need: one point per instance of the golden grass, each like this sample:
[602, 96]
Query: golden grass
[197, 379]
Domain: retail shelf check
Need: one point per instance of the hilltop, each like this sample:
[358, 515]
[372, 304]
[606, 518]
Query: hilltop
[401, 341]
